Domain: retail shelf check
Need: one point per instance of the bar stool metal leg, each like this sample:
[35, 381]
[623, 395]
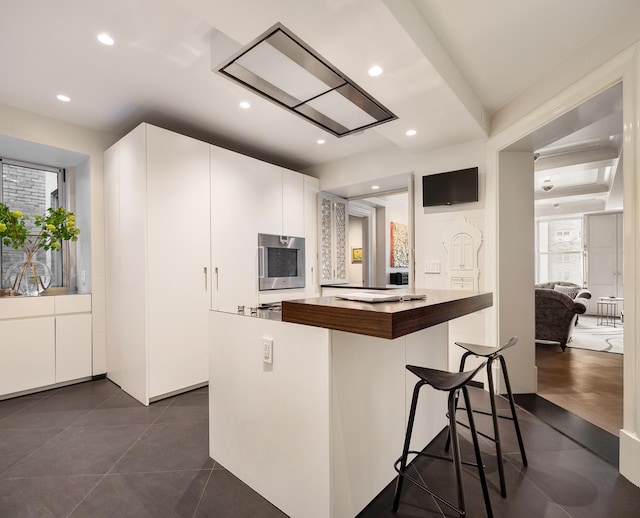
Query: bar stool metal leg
[496, 429]
[476, 447]
[407, 441]
[453, 431]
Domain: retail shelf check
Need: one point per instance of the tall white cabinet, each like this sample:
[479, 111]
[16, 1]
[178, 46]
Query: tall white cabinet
[251, 197]
[604, 246]
[157, 189]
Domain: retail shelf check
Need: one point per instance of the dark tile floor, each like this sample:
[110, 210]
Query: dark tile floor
[90, 450]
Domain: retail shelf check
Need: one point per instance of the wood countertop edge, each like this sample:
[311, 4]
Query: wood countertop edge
[382, 324]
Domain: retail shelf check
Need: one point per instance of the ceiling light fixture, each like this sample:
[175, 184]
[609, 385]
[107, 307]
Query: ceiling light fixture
[375, 187]
[283, 69]
[105, 39]
[320, 141]
[547, 185]
[63, 98]
[375, 71]
[245, 105]
[410, 133]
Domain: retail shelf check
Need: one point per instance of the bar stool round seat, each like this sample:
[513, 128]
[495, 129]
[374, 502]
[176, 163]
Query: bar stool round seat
[453, 383]
[491, 354]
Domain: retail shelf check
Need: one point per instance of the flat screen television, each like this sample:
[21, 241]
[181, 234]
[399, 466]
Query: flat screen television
[452, 187]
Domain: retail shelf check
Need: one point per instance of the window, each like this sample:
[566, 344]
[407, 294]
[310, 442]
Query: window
[32, 189]
[559, 250]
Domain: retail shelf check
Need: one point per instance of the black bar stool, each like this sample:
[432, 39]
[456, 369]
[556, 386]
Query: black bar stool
[491, 354]
[451, 382]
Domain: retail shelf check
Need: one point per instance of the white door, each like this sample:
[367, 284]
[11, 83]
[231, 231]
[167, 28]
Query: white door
[235, 217]
[602, 256]
[178, 223]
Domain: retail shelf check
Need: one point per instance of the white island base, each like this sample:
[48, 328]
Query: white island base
[316, 432]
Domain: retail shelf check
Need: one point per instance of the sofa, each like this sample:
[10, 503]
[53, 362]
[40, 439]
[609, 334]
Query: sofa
[557, 306]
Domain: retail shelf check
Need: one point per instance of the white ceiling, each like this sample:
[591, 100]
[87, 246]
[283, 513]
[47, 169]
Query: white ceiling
[447, 65]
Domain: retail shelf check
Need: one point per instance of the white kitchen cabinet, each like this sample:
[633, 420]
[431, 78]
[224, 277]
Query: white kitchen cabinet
[235, 217]
[249, 197]
[73, 337]
[280, 200]
[267, 179]
[73, 350]
[27, 350]
[311, 188]
[333, 222]
[158, 262]
[293, 201]
[45, 341]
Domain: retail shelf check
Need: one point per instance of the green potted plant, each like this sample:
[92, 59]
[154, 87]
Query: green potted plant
[30, 276]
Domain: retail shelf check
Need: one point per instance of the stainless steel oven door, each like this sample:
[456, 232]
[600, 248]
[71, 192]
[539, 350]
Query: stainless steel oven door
[281, 263]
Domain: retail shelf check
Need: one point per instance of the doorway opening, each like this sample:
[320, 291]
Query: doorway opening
[578, 187]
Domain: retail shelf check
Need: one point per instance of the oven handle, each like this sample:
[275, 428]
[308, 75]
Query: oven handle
[261, 262]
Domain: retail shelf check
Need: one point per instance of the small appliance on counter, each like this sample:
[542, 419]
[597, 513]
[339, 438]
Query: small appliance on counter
[399, 278]
[280, 262]
[270, 311]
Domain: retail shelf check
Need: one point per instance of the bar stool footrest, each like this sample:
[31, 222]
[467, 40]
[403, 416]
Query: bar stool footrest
[419, 484]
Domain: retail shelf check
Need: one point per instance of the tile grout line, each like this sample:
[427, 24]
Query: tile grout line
[119, 459]
[204, 489]
[51, 438]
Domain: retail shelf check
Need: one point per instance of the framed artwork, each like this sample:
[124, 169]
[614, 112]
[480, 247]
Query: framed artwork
[356, 255]
[399, 245]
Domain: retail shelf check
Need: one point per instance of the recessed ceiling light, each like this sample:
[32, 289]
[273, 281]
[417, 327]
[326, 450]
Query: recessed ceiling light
[410, 133]
[105, 39]
[245, 105]
[375, 71]
[375, 187]
[63, 98]
[321, 141]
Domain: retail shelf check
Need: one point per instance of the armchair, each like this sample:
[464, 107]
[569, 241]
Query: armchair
[556, 314]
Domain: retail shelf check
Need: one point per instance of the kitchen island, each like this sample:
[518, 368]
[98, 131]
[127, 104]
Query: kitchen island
[317, 430]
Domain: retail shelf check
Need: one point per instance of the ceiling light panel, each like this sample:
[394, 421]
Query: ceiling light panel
[283, 69]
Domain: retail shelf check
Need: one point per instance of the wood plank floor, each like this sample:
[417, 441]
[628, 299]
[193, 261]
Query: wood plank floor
[586, 383]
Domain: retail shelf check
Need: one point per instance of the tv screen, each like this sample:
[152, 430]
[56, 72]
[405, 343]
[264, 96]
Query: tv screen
[459, 186]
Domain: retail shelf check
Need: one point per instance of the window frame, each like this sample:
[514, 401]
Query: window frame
[67, 253]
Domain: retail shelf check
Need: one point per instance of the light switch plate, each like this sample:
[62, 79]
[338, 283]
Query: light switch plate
[432, 267]
[267, 350]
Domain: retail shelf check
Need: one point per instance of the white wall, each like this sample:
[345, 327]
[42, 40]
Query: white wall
[516, 259]
[27, 136]
[429, 223]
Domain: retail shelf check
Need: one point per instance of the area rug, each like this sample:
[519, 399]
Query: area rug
[588, 335]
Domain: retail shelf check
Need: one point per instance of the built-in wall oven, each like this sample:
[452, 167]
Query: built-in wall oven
[280, 262]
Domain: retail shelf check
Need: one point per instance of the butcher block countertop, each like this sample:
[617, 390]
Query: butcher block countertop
[385, 319]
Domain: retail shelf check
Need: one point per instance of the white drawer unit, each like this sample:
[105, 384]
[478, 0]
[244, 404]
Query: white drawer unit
[45, 341]
[462, 283]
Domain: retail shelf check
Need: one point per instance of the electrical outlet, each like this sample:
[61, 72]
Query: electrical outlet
[83, 276]
[267, 350]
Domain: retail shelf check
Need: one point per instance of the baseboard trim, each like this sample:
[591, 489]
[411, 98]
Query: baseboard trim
[630, 457]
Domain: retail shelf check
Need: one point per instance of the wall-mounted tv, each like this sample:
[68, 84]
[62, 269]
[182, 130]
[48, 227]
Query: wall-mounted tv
[452, 187]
